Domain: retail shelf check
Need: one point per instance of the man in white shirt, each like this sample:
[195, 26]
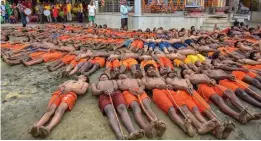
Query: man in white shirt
[92, 12]
[124, 13]
[3, 11]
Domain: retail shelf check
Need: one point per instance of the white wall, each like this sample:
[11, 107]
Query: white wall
[256, 16]
[149, 21]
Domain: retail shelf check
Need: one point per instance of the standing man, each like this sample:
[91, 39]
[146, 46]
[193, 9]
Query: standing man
[69, 9]
[21, 8]
[39, 11]
[3, 10]
[124, 13]
[92, 12]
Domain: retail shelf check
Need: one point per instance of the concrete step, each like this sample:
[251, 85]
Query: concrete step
[219, 24]
[210, 28]
[217, 20]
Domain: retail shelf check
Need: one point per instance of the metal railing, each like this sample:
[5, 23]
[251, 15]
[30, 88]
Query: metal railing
[113, 6]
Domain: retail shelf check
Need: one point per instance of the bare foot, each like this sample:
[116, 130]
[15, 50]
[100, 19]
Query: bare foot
[136, 135]
[149, 130]
[242, 118]
[229, 128]
[257, 116]
[219, 130]
[49, 68]
[23, 62]
[206, 127]
[34, 131]
[189, 128]
[44, 132]
[161, 127]
[122, 137]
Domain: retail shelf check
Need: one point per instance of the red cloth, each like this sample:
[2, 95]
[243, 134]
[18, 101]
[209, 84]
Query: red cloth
[55, 12]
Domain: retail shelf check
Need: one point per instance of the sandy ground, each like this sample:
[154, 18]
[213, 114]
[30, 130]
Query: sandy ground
[25, 94]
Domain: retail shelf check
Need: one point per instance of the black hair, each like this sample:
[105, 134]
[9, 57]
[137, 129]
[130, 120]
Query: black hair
[251, 29]
[87, 79]
[236, 23]
[220, 35]
[252, 55]
[181, 72]
[236, 43]
[215, 55]
[192, 27]
[247, 26]
[105, 25]
[99, 26]
[7, 38]
[242, 24]
[199, 39]
[191, 32]
[147, 67]
[104, 74]
[182, 30]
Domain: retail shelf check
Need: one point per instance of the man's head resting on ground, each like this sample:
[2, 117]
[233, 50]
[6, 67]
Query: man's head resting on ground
[83, 78]
[122, 76]
[104, 77]
[150, 70]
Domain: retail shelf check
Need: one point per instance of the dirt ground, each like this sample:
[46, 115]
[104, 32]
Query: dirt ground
[25, 93]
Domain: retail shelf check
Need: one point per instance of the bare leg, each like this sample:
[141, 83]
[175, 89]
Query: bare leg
[252, 81]
[243, 95]
[58, 66]
[113, 121]
[223, 107]
[139, 119]
[33, 62]
[255, 93]
[202, 128]
[93, 69]
[127, 122]
[185, 126]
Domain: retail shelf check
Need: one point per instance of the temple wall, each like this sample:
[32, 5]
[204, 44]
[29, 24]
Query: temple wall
[150, 21]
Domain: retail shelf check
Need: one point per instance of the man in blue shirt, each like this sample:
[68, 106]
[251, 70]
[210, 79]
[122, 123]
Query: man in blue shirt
[124, 13]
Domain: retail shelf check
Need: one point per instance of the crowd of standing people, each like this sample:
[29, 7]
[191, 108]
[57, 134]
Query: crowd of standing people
[50, 12]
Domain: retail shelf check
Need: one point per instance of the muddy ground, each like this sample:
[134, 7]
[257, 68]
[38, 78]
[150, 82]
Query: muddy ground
[25, 93]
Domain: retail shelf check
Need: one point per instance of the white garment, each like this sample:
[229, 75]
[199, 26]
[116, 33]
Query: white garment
[3, 10]
[91, 10]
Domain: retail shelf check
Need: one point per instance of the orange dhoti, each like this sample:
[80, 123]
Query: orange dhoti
[164, 101]
[51, 56]
[166, 62]
[128, 63]
[233, 85]
[99, 60]
[207, 91]
[240, 75]
[113, 64]
[57, 98]
[129, 97]
[68, 58]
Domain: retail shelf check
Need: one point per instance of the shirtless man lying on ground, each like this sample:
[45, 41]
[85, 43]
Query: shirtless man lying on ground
[134, 94]
[107, 89]
[113, 65]
[62, 99]
[211, 91]
[186, 90]
[169, 101]
[240, 88]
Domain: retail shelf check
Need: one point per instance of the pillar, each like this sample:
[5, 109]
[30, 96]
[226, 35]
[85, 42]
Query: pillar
[137, 6]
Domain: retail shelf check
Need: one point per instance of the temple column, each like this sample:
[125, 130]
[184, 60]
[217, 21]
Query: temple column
[137, 6]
